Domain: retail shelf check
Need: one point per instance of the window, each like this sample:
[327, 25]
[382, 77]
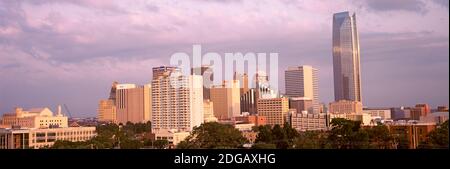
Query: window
[40, 134]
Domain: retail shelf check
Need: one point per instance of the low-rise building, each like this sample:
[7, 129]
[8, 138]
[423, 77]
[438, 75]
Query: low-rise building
[34, 118]
[415, 133]
[24, 138]
[345, 107]
[39, 128]
[244, 126]
[364, 118]
[173, 136]
[257, 120]
[382, 113]
[208, 109]
[307, 121]
[436, 117]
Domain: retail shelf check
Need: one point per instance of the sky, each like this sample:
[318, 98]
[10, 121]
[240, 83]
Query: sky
[70, 51]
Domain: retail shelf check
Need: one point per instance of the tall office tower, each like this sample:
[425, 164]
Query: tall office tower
[249, 101]
[263, 88]
[274, 109]
[163, 71]
[177, 101]
[243, 79]
[112, 93]
[303, 81]
[346, 58]
[107, 111]
[207, 73]
[133, 103]
[226, 99]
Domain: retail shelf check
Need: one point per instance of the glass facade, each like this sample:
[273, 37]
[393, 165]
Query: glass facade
[346, 58]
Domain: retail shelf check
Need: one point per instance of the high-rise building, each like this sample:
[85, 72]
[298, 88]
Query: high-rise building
[163, 71]
[107, 111]
[133, 103]
[346, 58]
[274, 109]
[243, 79]
[177, 101]
[346, 107]
[303, 81]
[208, 77]
[112, 93]
[226, 99]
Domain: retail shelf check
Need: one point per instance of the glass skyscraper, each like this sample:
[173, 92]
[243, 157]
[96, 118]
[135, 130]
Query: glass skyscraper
[346, 64]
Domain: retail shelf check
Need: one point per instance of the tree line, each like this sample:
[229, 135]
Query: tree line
[344, 134]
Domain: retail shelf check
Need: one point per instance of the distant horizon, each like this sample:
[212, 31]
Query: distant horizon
[69, 52]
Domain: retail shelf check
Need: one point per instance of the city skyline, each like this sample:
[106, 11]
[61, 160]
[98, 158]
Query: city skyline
[392, 57]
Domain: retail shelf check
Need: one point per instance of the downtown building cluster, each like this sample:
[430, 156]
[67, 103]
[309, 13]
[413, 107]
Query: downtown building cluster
[176, 102]
[236, 101]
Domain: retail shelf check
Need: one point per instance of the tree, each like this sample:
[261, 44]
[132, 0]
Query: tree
[346, 134]
[213, 135]
[264, 134]
[280, 137]
[380, 137]
[110, 135]
[161, 144]
[438, 138]
[310, 140]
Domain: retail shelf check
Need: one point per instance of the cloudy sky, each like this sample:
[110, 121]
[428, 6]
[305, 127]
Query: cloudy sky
[69, 51]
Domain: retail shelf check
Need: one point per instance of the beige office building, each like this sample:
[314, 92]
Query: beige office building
[303, 81]
[133, 103]
[275, 110]
[39, 128]
[34, 118]
[226, 99]
[177, 101]
[107, 111]
[382, 113]
[364, 118]
[345, 107]
[36, 138]
[208, 109]
[174, 137]
[307, 122]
